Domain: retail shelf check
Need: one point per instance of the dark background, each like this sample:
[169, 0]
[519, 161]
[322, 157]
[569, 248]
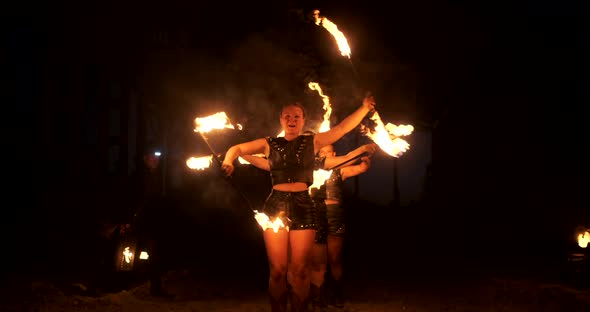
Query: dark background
[500, 87]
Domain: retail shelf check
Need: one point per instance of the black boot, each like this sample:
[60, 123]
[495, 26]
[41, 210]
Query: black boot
[337, 295]
[317, 297]
[278, 305]
[298, 304]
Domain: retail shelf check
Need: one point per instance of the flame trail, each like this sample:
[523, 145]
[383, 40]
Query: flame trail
[336, 33]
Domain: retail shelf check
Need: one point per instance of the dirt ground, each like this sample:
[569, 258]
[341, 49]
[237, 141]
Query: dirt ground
[196, 290]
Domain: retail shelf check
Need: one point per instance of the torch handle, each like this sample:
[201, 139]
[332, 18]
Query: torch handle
[340, 165]
[219, 162]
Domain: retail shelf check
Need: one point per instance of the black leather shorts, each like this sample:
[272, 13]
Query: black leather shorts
[335, 216]
[295, 208]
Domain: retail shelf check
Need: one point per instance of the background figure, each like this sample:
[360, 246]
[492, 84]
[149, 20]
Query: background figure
[292, 161]
[329, 239]
[148, 221]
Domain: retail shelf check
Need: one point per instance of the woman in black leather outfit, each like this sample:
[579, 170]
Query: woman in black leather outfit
[291, 159]
[329, 239]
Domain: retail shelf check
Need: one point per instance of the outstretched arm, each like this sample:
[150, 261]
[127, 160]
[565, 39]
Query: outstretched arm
[332, 162]
[355, 170]
[257, 161]
[334, 134]
[253, 147]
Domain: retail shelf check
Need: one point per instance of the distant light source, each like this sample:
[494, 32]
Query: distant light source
[157, 153]
[583, 239]
[144, 255]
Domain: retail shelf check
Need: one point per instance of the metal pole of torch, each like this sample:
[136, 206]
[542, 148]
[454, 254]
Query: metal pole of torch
[340, 165]
[228, 179]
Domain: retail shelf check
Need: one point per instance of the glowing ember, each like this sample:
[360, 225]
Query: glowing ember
[199, 163]
[333, 29]
[388, 142]
[325, 126]
[144, 255]
[215, 121]
[265, 222]
[584, 239]
[127, 254]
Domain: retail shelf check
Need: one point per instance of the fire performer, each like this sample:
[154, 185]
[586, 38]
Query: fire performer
[291, 160]
[330, 219]
[329, 239]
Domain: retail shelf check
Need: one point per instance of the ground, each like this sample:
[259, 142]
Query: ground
[198, 290]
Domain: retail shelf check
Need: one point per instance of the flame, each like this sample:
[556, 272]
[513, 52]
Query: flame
[333, 29]
[401, 130]
[144, 255]
[325, 126]
[127, 254]
[386, 138]
[199, 163]
[319, 178]
[265, 222]
[216, 121]
[584, 239]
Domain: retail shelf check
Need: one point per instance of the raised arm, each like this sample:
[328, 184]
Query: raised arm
[350, 122]
[253, 147]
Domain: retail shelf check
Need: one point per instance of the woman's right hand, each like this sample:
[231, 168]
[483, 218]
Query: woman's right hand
[228, 168]
[370, 148]
[369, 102]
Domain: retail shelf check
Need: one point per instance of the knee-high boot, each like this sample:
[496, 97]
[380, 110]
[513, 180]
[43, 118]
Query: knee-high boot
[298, 304]
[278, 304]
[317, 297]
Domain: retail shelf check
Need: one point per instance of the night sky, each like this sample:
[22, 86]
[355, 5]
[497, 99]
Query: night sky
[498, 88]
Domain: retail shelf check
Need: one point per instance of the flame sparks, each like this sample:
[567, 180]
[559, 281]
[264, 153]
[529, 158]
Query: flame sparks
[199, 163]
[387, 137]
[265, 222]
[216, 121]
[333, 29]
[584, 239]
[144, 255]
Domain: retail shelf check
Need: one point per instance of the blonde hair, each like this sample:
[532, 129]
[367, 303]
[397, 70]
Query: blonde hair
[296, 104]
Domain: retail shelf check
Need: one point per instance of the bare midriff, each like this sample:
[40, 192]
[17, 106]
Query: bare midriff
[291, 187]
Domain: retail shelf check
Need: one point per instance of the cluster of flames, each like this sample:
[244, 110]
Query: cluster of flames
[386, 136]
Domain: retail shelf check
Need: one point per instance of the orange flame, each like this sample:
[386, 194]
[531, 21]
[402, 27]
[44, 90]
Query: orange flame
[319, 178]
[216, 121]
[265, 222]
[333, 29]
[584, 239]
[387, 137]
[199, 163]
[325, 126]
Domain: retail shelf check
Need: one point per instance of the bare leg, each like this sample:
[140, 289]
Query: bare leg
[335, 243]
[276, 251]
[301, 243]
[319, 261]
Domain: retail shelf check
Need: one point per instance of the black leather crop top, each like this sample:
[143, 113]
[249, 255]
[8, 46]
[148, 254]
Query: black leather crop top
[291, 161]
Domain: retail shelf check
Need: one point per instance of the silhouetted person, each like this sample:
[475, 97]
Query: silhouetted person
[149, 218]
